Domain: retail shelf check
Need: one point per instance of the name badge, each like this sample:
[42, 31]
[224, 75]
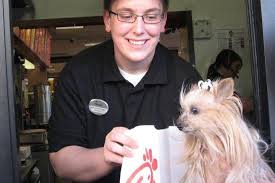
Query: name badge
[98, 107]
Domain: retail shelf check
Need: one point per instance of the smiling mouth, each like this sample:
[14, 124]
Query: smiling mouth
[137, 43]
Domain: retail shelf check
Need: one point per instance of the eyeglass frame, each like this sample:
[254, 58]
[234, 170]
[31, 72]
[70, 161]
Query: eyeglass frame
[136, 16]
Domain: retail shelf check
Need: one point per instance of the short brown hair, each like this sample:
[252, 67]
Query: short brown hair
[108, 4]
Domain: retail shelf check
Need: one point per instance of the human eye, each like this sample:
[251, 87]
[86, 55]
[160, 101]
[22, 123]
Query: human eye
[152, 18]
[126, 15]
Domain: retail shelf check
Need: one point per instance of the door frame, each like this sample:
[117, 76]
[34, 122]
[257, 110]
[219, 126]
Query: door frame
[258, 66]
[9, 166]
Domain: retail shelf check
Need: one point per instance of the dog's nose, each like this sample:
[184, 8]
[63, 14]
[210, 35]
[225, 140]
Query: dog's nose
[180, 124]
[182, 121]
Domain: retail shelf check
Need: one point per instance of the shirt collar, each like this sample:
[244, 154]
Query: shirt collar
[110, 69]
[157, 73]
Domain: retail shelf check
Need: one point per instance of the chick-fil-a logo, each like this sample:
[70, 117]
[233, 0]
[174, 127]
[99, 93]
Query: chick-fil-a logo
[148, 167]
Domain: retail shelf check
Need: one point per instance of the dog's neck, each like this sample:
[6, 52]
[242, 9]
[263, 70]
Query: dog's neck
[216, 171]
[205, 161]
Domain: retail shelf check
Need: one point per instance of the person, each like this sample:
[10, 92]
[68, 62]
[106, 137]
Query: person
[228, 64]
[110, 88]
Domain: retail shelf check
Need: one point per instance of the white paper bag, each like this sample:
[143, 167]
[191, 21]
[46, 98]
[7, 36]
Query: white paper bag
[158, 158]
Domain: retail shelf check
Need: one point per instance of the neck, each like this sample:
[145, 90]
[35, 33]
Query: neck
[206, 166]
[134, 67]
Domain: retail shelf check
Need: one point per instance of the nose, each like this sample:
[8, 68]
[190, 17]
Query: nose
[181, 122]
[138, 26]
[181, 125]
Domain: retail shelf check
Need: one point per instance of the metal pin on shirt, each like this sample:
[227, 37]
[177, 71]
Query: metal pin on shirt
[98, 107]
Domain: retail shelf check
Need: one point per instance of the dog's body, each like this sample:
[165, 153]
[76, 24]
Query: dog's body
[220, 147]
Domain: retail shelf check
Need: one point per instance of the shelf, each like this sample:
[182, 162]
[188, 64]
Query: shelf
[26, 52]
[35, 178]
[26, 170]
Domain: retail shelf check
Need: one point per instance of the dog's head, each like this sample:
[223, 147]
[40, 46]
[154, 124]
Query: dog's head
[209, 109]
[212, 115]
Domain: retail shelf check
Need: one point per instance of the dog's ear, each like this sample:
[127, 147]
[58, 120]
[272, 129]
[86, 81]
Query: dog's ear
[225, 88]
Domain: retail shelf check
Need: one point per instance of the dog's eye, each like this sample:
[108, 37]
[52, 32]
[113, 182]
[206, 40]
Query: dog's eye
[194, 110]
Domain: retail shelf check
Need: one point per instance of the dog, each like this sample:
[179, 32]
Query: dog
[220, 147]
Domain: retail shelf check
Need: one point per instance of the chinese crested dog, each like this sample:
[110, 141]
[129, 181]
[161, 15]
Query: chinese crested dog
[220, 147]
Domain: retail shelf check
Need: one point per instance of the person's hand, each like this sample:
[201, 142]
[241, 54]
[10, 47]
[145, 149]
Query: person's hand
[117, 145]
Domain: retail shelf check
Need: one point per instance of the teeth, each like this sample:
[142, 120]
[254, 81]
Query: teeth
[137, 42]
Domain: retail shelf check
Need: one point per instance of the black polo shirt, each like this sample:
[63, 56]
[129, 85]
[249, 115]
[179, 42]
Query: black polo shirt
[93, 74]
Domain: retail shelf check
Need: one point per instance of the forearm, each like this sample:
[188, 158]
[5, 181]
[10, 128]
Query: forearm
[80, 164]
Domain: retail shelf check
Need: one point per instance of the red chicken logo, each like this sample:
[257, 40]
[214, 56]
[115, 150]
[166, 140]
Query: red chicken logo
[145, 172]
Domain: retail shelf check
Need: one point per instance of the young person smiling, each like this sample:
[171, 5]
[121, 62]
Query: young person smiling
[110, 88]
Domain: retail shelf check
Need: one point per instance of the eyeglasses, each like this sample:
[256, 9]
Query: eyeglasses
[130, 17]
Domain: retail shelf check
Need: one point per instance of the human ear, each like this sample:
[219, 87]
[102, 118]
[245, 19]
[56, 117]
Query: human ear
[107, 21]
[163, 22]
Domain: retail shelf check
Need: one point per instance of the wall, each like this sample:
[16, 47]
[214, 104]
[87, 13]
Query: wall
[48, 9]
[223, 14]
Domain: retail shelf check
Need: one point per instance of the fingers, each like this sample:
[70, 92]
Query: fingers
[119, 135]
[118, 145]
[115, 152]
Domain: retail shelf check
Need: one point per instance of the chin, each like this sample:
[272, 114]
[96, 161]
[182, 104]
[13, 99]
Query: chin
[137, 58]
